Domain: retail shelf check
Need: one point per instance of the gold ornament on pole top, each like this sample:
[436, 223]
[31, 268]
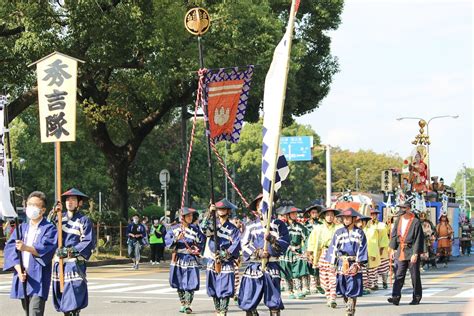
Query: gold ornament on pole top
[197, 21]
[422, 138]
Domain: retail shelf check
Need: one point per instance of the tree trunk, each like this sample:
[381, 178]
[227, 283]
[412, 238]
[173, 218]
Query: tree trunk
[118, 171]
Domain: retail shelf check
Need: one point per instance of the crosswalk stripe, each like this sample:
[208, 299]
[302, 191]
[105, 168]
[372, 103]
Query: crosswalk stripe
[201, 292]
[6, 282]
[433, 290]
[468, 293]
[162, 291]
[134, 288]
[106, 286]
[5, 287]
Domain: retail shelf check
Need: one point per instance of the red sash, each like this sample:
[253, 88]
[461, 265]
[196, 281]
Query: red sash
[404, 236]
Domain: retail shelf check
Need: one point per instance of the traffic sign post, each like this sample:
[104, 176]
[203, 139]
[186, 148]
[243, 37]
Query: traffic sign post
[164, 180]
[297, 148]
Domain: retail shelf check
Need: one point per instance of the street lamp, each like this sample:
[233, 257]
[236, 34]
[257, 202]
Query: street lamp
[427, 133]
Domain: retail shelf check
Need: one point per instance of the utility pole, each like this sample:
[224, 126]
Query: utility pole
[464, 185]
[328, 176]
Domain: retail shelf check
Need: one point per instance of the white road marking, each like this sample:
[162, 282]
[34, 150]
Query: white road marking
[469, 293]
[94, 288]
[433, 290]
[163, 291]
[136, 289]
[5, 287]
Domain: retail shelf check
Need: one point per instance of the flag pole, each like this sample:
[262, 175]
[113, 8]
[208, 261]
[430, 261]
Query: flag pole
[268, 218]
[57, 190]
[197, 22]
[12, 198]
[217, 265]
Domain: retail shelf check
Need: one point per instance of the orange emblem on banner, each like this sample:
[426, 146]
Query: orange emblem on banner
[223, 102]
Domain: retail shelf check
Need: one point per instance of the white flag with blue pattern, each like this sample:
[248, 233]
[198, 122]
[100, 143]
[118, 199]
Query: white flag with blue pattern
[273, 104]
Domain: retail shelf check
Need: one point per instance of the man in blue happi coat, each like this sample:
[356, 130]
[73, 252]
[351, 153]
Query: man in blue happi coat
[186, 241]
[78, 243]
[136, 233]
[256, 283]
[36, 244]
[348, 252]
[220, 267]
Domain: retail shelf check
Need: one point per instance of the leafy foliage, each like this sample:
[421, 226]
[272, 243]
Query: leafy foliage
[458, 183]
[140, 63]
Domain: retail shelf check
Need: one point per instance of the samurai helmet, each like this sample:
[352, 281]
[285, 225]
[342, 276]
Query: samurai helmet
[349, 212]
[75, 192]
[287, 207]
[187, 210]
[225, 204]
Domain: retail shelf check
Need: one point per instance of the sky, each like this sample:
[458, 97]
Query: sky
[403, 58]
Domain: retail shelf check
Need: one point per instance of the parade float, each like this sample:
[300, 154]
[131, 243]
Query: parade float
[428, 194]
[413, 182]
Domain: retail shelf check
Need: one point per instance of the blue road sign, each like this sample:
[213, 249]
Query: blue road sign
[297, 148]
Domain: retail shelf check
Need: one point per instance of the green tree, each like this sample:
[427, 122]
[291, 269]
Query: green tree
[301, 185]
[140, 61]
[371, 164]
[83, 166]
[458, 184]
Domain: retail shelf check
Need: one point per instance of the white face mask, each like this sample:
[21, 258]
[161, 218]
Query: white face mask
[33, 212]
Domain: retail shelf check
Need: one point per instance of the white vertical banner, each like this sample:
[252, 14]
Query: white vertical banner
[6, 207]
[57, 85]
[274, 165]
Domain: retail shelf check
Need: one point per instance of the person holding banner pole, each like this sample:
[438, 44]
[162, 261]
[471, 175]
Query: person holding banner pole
[79, 241]
[186, 242]
[35, 248]
[258, 282]
[220, 286]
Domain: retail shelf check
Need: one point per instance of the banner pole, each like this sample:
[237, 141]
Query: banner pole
[268, 218]
[57, 181]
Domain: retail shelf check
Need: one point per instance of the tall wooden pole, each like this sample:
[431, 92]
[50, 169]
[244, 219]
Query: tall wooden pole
[57, 181]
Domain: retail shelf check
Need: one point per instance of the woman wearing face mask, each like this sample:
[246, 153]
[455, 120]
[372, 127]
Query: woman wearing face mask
[36, 246]
[135, 232]
[186, 241]
[157, 243]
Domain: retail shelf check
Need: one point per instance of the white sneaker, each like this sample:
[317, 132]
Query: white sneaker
[151, 261]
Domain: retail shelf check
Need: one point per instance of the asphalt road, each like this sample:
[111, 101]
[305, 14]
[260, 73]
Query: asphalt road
[119, 290]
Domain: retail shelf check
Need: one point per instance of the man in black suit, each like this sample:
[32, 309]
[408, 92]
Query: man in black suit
[406, 245]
